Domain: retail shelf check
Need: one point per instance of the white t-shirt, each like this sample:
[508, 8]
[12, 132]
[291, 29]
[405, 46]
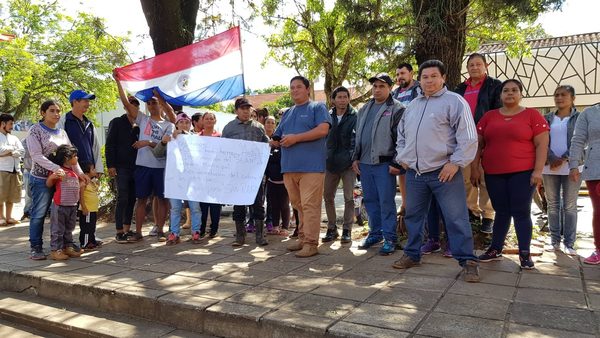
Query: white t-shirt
[151, 130]
[558, 145]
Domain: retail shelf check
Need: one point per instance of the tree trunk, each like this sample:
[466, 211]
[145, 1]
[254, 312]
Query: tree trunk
[172, 23]
[441, 34]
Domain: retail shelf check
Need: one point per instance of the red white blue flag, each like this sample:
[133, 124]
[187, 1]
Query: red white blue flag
[199, 74]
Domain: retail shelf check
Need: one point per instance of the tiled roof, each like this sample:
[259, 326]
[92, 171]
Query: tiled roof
[544, 43]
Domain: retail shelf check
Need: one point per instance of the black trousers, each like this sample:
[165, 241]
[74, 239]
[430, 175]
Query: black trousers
[87, 226]
[125, 197]
[257, 208]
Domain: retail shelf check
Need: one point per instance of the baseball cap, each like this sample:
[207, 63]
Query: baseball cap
[181, 117]
[242, 102]
[382, 77]
[79, 94]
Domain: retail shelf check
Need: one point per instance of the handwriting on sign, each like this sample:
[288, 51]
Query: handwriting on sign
[214, 170]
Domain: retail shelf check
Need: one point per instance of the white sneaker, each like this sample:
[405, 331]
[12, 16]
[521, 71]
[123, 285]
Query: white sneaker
[552, 247]
[570, 251]
[153, 231]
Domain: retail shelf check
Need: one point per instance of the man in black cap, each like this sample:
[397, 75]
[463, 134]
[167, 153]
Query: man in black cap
[373, 160]
[243, 128]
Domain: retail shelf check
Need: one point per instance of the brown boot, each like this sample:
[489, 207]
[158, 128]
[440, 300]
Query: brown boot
[240, 234]
[295, 246]
[71, 252]
[58, 255]
[308, 250]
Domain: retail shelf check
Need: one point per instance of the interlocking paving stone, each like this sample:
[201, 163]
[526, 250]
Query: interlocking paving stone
[421, 282]
[483, 290]
[553, 317]
[595, 301]
[367, 277]
[320, 306]
[525, 331]
[506, 265]
[215, 289]
[278, 265]
[171, 283]
[450, 271]
[388, 317]
[263, 296]
[472, 306]
[296, 283]
[592, 286]
[450, 325]
[531, 280]
[345, 289]
[352, 330]
[411, 298]
[249, 276]
[498, 277]
[551, 297]
[135, 276]
[204, 271]
[591, 272]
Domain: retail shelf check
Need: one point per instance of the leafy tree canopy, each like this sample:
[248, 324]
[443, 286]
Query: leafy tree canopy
[54, 54]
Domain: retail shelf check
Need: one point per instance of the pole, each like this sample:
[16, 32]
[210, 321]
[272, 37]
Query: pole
[242, 58]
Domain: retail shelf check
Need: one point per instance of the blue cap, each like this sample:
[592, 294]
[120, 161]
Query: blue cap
[80, 94]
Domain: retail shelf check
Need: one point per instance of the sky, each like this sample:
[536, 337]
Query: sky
[123, 16]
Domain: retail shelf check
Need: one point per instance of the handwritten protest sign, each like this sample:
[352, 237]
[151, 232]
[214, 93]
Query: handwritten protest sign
[214, 170]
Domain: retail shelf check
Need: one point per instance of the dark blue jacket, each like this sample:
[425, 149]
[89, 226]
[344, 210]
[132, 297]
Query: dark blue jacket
[82, 136]
[488, 98]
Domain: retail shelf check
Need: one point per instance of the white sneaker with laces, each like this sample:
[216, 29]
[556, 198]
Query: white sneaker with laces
[570, 251]
[552, 247]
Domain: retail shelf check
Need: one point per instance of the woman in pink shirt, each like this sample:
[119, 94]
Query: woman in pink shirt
[208, 121]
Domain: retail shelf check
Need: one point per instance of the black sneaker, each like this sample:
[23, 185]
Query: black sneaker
[526, 262]
[134, 237]
[121, 237]
[490, 255]
[487, 225]
[25, 217]
[37, 254]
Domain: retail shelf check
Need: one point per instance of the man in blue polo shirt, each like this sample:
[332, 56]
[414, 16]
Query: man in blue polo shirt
[302, 135]
[81, 130]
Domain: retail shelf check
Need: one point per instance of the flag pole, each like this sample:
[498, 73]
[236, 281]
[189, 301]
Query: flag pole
[242, 58]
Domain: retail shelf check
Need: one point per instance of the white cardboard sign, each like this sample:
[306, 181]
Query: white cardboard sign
[215, 170]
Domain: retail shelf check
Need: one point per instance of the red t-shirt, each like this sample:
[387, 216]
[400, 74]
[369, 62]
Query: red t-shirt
[509, 146]
[472, 93]
[67, 189]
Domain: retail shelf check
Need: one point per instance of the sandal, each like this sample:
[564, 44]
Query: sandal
[279, 232]
[3, 222]
[12, 221]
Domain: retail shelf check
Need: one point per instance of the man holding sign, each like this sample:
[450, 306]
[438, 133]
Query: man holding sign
[302, 134]
[243, 128]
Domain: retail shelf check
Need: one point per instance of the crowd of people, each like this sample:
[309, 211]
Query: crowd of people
[472, 155]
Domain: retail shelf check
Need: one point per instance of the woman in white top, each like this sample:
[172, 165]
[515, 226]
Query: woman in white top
[561, 192]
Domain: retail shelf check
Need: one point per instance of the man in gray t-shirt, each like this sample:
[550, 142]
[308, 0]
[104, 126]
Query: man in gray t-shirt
[149, 173]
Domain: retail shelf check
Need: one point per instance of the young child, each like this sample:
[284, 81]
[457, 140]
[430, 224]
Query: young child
[88, 210]
[63, 213]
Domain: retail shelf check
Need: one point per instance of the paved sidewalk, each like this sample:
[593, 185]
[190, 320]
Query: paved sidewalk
[341, 292]
[266, 291]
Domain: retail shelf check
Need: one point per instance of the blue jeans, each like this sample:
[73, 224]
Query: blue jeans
[41, 196]
[379, 190]
[511, 196]
[433, 220]
[452, 200]
[562, 212]
[176, 206]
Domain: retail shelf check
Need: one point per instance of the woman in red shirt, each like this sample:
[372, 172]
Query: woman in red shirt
[513, 144]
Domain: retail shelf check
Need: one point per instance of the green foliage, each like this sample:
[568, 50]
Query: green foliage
[272, 89]
[510, 23]
[54, 54]
[313, 40]
[284, 101]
